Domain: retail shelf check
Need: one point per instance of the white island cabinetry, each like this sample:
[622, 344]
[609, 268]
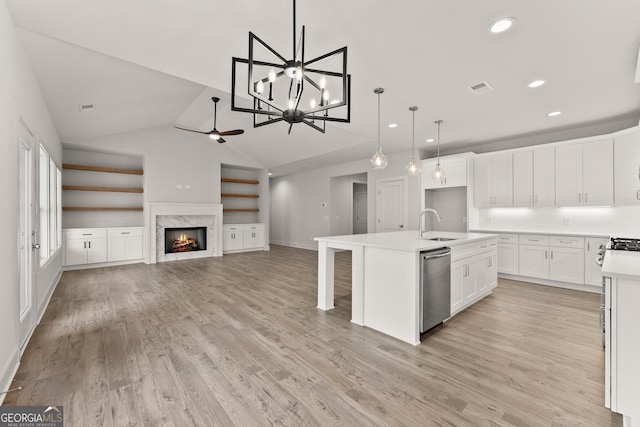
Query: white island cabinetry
[386, 283]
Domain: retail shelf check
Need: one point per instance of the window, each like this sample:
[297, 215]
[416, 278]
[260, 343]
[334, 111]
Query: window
[50, 209]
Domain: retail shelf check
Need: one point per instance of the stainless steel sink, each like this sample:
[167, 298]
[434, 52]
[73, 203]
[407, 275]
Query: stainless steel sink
[441, 239]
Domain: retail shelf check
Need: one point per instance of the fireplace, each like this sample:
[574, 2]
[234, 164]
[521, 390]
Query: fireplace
[185, 239]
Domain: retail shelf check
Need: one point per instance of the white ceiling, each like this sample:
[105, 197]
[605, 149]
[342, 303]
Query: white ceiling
[147, 63]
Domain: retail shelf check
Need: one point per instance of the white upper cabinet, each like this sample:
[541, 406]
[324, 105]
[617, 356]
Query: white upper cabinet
[455, 169]
[493, 180]
[627, 170]
[523, 179]
[544, 180]
[584, 174]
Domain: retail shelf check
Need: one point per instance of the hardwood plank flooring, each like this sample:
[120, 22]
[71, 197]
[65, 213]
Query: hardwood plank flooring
[238, 340]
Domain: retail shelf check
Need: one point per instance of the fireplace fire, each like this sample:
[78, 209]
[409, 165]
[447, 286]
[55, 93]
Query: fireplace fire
[185, 239]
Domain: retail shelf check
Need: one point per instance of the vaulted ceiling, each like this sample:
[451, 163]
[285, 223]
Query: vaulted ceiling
[148, 63]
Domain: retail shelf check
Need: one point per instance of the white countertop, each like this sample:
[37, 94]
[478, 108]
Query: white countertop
[406, 240]
[542, 232]
[621, 264]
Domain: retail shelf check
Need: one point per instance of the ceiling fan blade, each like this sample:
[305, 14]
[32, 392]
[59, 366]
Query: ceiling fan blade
[221, 140]
[192, 130]
[232, 132]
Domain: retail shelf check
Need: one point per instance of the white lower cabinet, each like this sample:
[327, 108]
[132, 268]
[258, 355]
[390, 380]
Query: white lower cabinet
[124, 244]
[473, 273]
[85, 246]
[556, 258]
[508, 256]
[101, 245]
[243, 237]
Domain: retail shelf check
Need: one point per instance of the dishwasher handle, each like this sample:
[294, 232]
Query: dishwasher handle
[437, 253]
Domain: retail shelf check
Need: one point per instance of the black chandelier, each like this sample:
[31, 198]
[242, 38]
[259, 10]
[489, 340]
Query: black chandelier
[277, 84]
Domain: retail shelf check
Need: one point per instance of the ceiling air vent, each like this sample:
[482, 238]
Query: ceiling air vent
[480, 88]
[85, 108]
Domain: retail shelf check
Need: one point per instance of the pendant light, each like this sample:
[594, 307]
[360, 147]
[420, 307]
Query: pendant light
[379, 160]
[413, 167]
[438, 172]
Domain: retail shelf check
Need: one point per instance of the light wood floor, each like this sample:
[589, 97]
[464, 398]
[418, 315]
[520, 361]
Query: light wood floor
[238, 340]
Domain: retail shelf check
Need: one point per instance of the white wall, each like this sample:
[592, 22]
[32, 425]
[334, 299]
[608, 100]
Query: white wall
[21, 97]
[341, 204]
[173, 157]
[297, 214]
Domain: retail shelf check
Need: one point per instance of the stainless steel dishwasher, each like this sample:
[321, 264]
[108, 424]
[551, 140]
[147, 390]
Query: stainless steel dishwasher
[435, 280]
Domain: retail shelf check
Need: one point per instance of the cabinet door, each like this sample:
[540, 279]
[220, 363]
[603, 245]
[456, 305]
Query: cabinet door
[455, 171]
[534, 261]
[544, 181]
[627, 170]
[96, 250]
[233, 240]
[117, 248]
[75, 251]
[134, 247]
[569, 175]
[253, 239]
[592, 271]
[523, 179]
[503, 180]
[483, 182]
[508, 258]
[458, 274]
[597, 173]
[469, 288]
[487, 273]
[566, 265]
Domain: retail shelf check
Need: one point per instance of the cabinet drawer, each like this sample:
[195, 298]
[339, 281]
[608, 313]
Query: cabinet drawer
[86, 233]
[463, 251]
[253, 227]
[567, 242]
[531, 239]
[118, 232]
[228, 228]
[487, 245]
[508, 238]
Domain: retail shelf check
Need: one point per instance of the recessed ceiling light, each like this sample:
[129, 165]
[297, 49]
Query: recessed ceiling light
[270, 174]
[554, 114]
[502, 25]
[430, 140]
[393, 125]
[536, 83]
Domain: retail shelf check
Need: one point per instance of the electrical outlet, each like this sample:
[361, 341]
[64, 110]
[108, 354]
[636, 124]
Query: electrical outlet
[179, 186]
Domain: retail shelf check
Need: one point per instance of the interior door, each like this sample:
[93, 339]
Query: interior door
[391, 206]
[360, 214]
[27, 246]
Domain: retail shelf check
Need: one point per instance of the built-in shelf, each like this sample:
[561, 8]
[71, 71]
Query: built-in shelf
[107, 189]
[245, 196]
[240, 181]
[241, 210]
[96, 208]
[102, 169]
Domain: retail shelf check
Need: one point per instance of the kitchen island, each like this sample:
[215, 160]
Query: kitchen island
[385, 274]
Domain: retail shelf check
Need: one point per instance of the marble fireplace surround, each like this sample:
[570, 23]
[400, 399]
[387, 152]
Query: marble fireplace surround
[162, 215]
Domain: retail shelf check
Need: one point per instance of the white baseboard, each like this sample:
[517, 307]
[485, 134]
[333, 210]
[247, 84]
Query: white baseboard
[564, 285]
[8, 372]
[311, 247]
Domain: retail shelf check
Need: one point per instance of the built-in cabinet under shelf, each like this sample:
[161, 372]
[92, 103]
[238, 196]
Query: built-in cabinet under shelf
[91, 247]
[109, 189]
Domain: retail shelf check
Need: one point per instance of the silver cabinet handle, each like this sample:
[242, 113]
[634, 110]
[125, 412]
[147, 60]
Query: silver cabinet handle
[89, 245]
[125, 232]
[565, 241]
[588, 246]
[87, 234]
[85, 245]
[545, 254]
[401, 225]
[638, 194]
[551, 254]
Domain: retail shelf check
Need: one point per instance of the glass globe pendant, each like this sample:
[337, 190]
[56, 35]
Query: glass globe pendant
[438, 172]
[379, 160]
[413, 167]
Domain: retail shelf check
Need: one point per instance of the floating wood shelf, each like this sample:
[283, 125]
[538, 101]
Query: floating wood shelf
[95, 208]
[107, 189]
[240, 181]
[245, 196]
[240, 210]
[102, 169]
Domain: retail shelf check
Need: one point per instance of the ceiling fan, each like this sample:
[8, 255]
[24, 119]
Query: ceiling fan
[214, 133]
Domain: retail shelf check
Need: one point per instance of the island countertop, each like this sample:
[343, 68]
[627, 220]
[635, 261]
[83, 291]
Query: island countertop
[407, 240]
